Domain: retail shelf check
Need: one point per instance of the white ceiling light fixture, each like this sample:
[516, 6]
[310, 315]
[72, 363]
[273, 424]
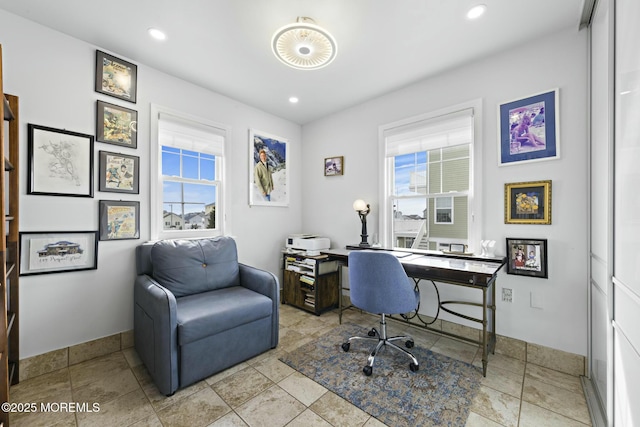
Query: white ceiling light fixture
[304, 45]
[293, 99]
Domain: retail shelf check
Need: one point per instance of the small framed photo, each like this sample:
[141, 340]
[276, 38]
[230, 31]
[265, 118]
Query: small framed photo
[116, 77]
[60, 162]
[529, 129]
[334, 166]
[527, 202]
[116, 125]
[458, 248]
[119, 173]
[527, 257]
[119, 220]
[43, 252]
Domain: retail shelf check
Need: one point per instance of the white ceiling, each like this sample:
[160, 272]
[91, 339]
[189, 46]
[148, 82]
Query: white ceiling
[224, 45]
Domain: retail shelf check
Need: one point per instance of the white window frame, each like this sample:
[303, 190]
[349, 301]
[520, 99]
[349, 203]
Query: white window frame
[386, 165]
[435, 210]
[156, 180]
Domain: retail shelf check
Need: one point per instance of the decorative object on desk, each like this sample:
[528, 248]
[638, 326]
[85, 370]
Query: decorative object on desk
[268, 169]
[457, 248]
[60, 162]
[44, 252]
[115, 77]
[527, 202]
[529, 129]
[119, 220]
[527, 257]
[333, 166]
[488, 248]
[119, 173]
[439, 394]
[363, 210]
[116, 125]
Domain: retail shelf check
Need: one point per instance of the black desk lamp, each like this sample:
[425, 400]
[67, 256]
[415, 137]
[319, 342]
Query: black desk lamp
[363, 210]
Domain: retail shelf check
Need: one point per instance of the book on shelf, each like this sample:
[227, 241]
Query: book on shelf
[307, 279]
[310, 300]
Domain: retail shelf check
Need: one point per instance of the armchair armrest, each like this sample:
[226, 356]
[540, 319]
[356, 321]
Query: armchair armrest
[265, 283]
[156, 332]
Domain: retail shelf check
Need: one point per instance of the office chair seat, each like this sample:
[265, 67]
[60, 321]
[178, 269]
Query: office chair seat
[379, 285]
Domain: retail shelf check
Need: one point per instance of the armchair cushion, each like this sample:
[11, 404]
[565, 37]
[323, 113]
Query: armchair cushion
[206, 314]
[187, 267]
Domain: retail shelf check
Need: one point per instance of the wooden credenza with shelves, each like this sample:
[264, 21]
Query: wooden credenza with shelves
[310, 282]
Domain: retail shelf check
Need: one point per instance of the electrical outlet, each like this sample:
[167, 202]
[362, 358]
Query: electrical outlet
[507, 295]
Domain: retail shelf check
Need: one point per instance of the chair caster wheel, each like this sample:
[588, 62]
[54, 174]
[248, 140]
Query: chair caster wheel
[367, 370]
[409, 344]
[372, 333]
[345, 346]
[413, 367]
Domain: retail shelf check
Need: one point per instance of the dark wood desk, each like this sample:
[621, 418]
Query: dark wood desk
[469, 271]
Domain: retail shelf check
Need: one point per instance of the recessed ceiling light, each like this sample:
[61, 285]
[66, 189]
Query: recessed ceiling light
[476, 11]
[293, 99]
[157, 34]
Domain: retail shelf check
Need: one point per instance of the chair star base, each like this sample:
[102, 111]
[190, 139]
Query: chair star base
[383, 340]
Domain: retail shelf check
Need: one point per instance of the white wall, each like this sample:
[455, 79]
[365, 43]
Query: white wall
[558, 61]
[53, 75]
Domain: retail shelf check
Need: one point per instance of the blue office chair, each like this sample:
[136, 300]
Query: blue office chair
[379, 285]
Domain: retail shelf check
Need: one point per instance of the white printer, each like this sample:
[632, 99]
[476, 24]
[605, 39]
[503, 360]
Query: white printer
[310, 243]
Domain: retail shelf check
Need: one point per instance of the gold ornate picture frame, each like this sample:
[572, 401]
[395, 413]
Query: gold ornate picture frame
[527, 202]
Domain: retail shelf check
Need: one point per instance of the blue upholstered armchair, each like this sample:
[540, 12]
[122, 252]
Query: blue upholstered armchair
[198, 311]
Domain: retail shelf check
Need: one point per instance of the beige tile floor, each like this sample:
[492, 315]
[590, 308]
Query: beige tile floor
[265, 392]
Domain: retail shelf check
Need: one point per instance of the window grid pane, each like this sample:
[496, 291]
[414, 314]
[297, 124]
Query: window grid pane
[427, 174]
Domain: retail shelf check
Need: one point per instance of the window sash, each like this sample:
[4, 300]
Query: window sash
[165, 121]
[394, 138]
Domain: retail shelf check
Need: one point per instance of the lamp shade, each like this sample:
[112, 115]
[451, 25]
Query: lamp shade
[304, 45]
[360, 205]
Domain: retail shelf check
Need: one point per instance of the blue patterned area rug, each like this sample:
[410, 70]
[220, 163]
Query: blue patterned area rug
[439, 394]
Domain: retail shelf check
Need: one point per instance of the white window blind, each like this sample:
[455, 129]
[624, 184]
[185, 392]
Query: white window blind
[438, 132]
[181, 133]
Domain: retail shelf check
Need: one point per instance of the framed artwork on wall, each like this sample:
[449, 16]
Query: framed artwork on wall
[60, 162]
[43, 252]
[334, 166]
[527, 257]
[119, 173]
[527, 202]
[529, 129]
[268, 169]
[116, 125]
[116, 77]
[119, 220]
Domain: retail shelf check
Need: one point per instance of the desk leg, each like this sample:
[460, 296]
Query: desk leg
[485, 335]
[340, 293]
[492, 306]
[488, 324]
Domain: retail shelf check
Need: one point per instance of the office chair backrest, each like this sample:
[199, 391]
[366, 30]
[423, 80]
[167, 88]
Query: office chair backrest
[379, 284]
